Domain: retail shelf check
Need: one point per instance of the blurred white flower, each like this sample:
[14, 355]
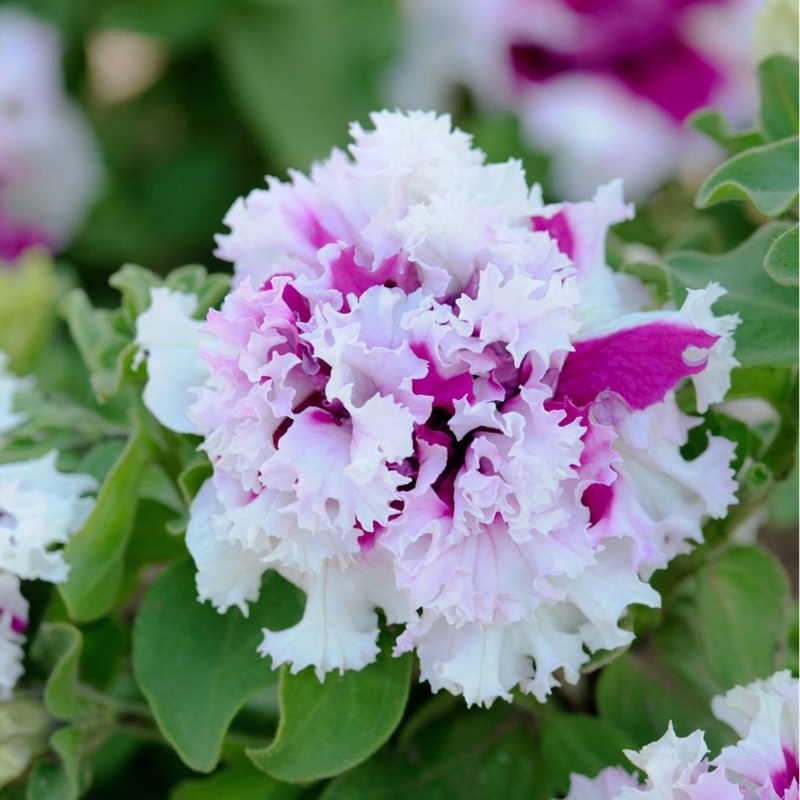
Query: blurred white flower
[49, 162]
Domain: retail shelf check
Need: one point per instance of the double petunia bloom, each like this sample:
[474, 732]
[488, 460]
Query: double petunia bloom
[428, 395]
[762, 765]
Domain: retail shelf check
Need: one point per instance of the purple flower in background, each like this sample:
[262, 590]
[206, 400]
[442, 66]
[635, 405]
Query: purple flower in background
[49, 164]
[604, 86]
[428, 394]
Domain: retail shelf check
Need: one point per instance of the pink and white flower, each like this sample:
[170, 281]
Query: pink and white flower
[49, 163]
[763, 765]
[765, 715]
[428, 394]
[40, 508]
[13, 621]
[605, 87]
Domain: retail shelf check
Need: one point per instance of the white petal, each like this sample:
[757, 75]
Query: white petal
[168, 339]
[13, 619]
[40, 507]
[339, 629]
[228, 574]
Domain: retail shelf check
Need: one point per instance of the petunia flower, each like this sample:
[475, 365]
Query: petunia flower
[13, 621]
[763, 765]
[49, 162]
[604, 87]
[40, 507]
[765, 715]
[428, 395]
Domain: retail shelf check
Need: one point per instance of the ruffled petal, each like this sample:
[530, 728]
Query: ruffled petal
[168, 339]
[228, 574]
[40, 507]
[13, 621]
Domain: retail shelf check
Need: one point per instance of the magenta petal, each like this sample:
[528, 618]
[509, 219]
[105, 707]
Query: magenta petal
[673, 76]
[783, 779]
[558, 228]
[16, 238]
[639, 364]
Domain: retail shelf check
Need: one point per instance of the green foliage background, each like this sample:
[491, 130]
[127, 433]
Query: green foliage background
[152, 695]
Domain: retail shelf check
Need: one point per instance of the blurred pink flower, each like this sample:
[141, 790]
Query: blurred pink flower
[49, 163]
[604, 86]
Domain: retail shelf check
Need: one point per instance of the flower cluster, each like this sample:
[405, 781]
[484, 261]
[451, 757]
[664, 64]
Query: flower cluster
[40, 508]
[604, 86]
[763, 765]
[428, 394]
[49, 165]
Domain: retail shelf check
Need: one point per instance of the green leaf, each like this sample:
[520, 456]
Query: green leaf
[472, 755]
[57, 650]
[726, 625]
[239, 781]
[60, 780]
[782, 258]
[103, 339]
[327, 728]
[768, 331]
[743, 604]
[778, 80]
[583, 744]
[302, 71]
[210, 287]
[711, 123]
[766, 176]
[96, 552]
[105, 644]
[134, 284]
[213, 665]
[181, 22]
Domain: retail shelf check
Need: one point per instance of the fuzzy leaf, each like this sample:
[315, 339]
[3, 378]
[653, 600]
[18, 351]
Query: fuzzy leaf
[60, 780]
[57, 649]
[96, 553]
[327, 728]
[197, 667]
[580, 743]
[473, 755]
[782, 257]
[766, 176]
[768, 332]
[239, 781]
[779, 96]
[726, 625]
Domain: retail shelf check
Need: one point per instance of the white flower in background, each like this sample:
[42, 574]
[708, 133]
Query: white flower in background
[763, 765]
[40, 507]
[10, 385]
[13, 621]
[428, 394]
[604, 87]
[49, 163]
